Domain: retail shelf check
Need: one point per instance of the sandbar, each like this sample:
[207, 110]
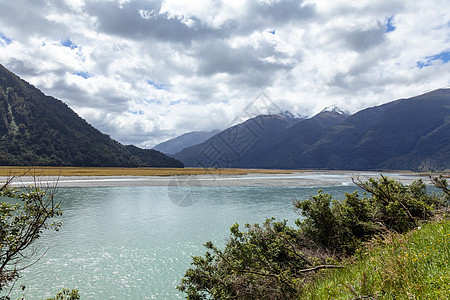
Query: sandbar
[303, 178]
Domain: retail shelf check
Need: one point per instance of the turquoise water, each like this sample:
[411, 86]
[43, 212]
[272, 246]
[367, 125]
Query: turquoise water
[136, 243]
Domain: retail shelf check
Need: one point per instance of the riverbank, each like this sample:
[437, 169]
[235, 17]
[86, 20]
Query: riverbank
[94, 177]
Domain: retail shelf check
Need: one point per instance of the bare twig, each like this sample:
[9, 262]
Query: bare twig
[321, 267]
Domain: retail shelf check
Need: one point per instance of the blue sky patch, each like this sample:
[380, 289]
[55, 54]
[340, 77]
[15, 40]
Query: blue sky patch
[85, 75]
[158, 86]
[390, 24]
[5, 38]
[69, 44]
[175, 102]
[153, 101]
[138, 112]
[444, 56]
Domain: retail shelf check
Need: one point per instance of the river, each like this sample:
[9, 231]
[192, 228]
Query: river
[125, 238]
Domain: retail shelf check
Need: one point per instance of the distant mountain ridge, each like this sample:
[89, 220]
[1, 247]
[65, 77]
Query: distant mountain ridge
[280, 151]
[177, 144]
[229, 147]
[36, 129]
[183, 141]
[406, 134]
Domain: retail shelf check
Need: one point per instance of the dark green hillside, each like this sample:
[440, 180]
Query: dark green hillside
[36, 129]
[153, 157]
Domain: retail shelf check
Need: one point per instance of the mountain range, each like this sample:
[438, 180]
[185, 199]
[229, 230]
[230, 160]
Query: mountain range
[36, 129]
[406, 134]
[183, 141]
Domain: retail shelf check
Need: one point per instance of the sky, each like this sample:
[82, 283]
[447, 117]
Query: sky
[145, 71]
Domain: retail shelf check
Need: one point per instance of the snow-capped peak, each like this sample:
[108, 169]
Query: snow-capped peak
[335, 109]
[287, 115]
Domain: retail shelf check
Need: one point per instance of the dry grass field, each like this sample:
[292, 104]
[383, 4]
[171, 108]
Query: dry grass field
[93, 171]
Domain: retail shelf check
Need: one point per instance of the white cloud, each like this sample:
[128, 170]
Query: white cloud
[76, 5]
[213, 57]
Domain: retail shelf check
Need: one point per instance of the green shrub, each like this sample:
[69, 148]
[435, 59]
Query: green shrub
[275, 261]
[341, 226]
[260, 263]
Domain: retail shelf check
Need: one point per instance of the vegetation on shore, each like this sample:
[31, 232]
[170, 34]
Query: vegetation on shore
[142, 171]
[392, 266]
[356, 248]
[117, 171]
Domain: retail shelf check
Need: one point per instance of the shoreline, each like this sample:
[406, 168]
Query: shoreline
[291, 178]
[122, 171]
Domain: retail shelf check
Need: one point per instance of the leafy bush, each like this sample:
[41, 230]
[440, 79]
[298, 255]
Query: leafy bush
[341, 226]
[336, 225]
[274, 261]
[66, 294]
[262, 262]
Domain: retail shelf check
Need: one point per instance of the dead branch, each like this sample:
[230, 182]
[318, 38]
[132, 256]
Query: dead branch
[321, 267]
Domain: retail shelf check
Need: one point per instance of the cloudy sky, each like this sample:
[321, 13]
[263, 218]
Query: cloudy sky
[144, 71]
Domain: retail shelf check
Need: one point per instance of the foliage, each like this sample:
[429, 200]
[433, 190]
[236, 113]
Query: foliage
[21, 224]
[441, 183]
[343, 225]
[266, 261]
[66, 294]
[393, 266]
[275, 261]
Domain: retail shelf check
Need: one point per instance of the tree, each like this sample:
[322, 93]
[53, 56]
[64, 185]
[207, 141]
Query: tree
[30, 211]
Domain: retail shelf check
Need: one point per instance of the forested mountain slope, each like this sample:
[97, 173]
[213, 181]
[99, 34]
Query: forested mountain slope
[36, 129]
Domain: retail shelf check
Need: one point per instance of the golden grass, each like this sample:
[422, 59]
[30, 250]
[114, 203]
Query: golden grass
[107, 171]
[6, 171]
